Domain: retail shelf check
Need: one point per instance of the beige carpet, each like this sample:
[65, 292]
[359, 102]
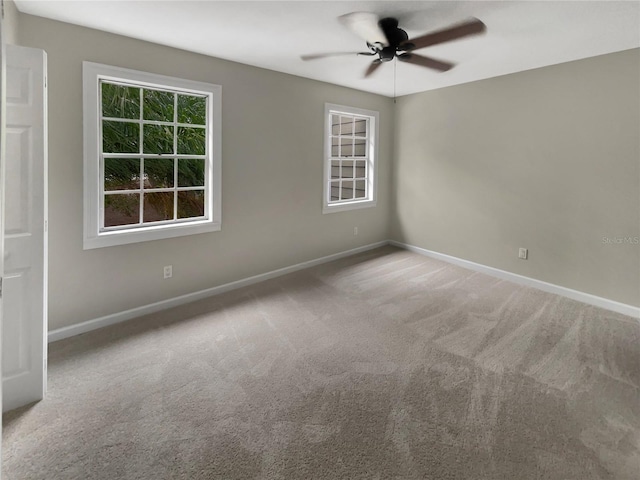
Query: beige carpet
[385, 365]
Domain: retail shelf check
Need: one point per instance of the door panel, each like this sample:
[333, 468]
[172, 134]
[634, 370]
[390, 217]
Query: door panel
[25, 238]
[17, 190]
[15, 358]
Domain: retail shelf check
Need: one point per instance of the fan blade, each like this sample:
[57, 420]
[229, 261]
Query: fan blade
[373, 67]
[365, 25]
[425, 61]
[470, 27]
[316, 56]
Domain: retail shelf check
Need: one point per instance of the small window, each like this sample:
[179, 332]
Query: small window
[152, 156]
[350, 155]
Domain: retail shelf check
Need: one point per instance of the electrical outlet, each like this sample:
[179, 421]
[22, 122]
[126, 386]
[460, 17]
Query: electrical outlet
[168, 271]
[355, 231]
[523, 253]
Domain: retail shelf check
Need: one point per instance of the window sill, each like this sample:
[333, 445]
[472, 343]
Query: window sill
[145, 234]
[343, 207]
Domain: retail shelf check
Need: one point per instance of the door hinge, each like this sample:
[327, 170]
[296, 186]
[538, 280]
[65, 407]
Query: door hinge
[1, 279]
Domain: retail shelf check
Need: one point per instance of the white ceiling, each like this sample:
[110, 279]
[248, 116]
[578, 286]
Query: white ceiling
[521, 35]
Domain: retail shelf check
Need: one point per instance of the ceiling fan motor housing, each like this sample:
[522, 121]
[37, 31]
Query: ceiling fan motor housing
[395, 36]
[387, 54]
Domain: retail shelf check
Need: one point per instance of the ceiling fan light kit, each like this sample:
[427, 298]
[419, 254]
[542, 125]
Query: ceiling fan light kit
[388, 41]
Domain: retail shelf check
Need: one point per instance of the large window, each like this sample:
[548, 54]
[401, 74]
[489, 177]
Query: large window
[152, 156]
[350, 158]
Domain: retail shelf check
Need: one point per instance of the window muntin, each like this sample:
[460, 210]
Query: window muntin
[349, 158]
[152, 156]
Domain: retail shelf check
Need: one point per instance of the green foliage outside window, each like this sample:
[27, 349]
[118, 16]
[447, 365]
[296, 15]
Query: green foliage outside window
[192, 110]
[119, 101]
[121, 104]
[158, 105]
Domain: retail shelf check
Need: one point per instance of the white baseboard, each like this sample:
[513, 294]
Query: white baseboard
[527, 281]
[89, 325]
[112, 319]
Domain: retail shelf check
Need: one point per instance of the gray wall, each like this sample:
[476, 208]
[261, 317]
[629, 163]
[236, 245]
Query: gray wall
[272, 140]
[10, 24]
[546, 159]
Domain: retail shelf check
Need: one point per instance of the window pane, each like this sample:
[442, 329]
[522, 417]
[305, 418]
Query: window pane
[346, 147]
[346, 192]
[335, 149]
[346, 126]
[191, 204]
[360, 189]
[335, 191]
[158, 173]
[119, 101]
[121, 209]
[361, 170]
[120, 137]
[190, 173]
[335, 124]
[335, 169]
[360, 147]
[191, 141]
[347, 169]
[158, 105]
[158, 139]
[121, 173]
[158, 206]
[192, 110]
[360, 127]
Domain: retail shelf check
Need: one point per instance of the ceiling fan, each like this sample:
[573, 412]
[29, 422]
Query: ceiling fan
[387, 41]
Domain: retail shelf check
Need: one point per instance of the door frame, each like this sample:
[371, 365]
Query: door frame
[2, 172]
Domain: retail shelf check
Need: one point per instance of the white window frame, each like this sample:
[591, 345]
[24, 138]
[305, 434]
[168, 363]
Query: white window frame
[95, 236]
[370, 200]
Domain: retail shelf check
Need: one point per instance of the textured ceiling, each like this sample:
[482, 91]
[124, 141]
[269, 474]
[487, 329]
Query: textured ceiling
[273, 35]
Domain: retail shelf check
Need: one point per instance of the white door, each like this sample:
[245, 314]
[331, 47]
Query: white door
[24, 344]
